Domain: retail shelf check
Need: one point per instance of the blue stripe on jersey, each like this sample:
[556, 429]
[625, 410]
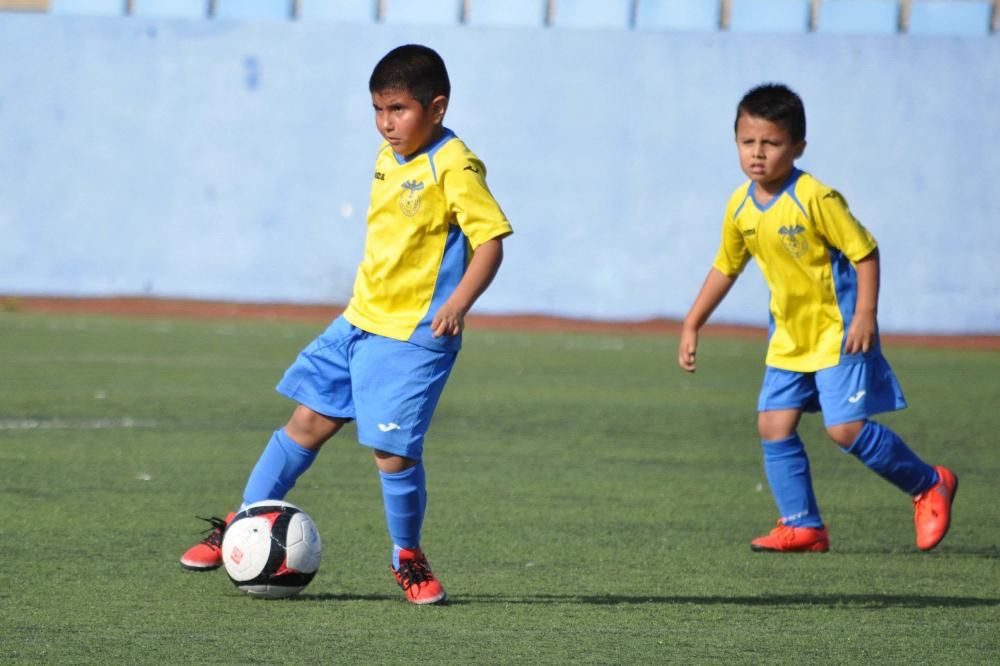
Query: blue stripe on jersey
[453, 265]
[845, 284]
[787, 187]
[446, 135]
[795, 199]
[742, 203]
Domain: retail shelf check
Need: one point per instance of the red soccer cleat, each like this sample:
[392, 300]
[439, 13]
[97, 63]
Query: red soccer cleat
[785, 539]
[932, 509]
[206, 555]
[415, 577]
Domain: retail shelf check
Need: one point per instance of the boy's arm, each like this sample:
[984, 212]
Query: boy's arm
[716, 286]
[864, 326]
[450, 317]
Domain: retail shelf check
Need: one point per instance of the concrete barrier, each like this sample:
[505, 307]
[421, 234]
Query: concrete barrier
[230, 160]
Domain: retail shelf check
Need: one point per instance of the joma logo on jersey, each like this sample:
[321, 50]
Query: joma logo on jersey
[790, 237]
[379, 176]
[409, 200]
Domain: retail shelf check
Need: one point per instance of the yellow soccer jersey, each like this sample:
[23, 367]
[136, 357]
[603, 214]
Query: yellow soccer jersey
[426, 215]
[806, 242]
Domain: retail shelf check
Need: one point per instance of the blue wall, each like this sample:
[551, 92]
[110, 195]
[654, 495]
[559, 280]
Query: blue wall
[224, 160]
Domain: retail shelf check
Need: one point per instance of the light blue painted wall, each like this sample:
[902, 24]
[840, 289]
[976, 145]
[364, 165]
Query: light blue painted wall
[224, 160]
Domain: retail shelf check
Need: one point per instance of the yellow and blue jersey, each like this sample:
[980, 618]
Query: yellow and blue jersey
[805, 241]
[426, 215]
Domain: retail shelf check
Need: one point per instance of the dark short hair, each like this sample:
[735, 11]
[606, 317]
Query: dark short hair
[415, 69]
[779, 104]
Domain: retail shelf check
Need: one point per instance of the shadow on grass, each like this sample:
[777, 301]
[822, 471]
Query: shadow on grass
[985, 552]
[305, 596]
[790, 600]
[776, 600]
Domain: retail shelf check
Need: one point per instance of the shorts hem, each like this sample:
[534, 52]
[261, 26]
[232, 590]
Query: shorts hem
[775, 407]
[840, 419]
[310, 401]
[396, 451]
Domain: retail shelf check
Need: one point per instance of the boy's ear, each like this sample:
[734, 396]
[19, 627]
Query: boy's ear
[438, 107]
[801, 148]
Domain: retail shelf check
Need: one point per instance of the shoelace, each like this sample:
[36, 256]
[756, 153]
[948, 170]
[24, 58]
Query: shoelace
[216, 527]
[414, 572]
[784, 534]
[923, 507]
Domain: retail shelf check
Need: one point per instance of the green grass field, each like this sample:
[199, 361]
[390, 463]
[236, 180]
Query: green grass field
[589, 503]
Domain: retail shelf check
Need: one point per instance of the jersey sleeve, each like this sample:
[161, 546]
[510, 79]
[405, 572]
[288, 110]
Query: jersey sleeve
[840, 229]
[472, 204]
[733, 254]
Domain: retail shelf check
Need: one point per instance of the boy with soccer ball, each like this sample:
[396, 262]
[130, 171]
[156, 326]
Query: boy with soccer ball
[433, 245]
[822, 268]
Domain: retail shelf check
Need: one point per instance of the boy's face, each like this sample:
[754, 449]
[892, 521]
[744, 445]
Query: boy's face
[767, 153]
[405, 123]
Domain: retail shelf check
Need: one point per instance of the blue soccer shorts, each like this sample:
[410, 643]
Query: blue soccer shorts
[860, 386]
[390, 387]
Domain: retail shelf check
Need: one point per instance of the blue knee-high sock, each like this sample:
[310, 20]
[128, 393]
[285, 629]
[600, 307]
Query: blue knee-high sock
[278, 468]
[787, 469]
[405, 497]
[885, 453]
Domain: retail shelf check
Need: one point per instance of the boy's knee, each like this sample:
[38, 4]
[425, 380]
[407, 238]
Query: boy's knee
[311, 429]
[390, 463]
[773, 425]
[844, 434]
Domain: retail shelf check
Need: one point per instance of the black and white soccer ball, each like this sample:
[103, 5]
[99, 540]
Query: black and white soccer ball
[271, 549]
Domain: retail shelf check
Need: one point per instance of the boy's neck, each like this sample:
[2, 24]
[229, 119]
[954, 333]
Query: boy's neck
[432, 141]
[763, 194]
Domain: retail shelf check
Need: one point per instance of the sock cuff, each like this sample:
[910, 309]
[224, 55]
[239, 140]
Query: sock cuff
[792, 441]
[867, 436]
[406, 474]
[291, 447]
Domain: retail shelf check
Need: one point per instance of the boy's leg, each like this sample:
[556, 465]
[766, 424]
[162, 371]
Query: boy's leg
[852, 392]
[279, 466]
[931, 488]
[786, 465]
[404, 494]
[800, 528]
[289, 453]
[397, 388]
[884, 452]
[320, 381]
[783, 397]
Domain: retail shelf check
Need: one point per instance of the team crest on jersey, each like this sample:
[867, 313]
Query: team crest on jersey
[409, 200]
[792, 240]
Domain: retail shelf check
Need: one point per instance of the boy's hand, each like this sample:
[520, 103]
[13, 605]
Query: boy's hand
[717, 285]
[860, 334]
[449, 320]
[687, 349]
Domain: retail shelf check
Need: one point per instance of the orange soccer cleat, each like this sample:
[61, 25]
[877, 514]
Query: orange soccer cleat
[415, 577]
[785, 539]
[932, 509]
[206, 555]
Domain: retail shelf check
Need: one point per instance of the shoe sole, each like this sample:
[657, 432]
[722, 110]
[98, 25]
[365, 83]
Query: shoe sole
[811, 549]
[191, 567]
[436, 602]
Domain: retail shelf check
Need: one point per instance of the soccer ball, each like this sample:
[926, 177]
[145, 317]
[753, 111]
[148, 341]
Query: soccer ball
[271, 549]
